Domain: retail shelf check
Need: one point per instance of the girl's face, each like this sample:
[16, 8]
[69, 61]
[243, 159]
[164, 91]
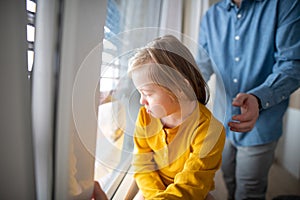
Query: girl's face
[157, 100]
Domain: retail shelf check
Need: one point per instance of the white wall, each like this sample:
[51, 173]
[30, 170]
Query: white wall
[16, 152]
[288, 149]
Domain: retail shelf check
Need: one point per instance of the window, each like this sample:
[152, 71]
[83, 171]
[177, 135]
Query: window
[110, 77]
[110, 160]
[31, 12]
[119, 101]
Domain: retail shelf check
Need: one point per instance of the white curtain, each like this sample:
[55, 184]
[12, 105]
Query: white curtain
[172, 16]
[43, 90]
[178, 17]
[76, 129]
[193, 11]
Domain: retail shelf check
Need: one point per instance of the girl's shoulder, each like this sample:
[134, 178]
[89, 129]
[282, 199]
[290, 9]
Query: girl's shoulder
[206, 116]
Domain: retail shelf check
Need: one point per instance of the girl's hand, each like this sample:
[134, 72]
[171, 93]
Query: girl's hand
[98, 193]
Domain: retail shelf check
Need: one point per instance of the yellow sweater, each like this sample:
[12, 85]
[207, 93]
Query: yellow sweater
[177, 163]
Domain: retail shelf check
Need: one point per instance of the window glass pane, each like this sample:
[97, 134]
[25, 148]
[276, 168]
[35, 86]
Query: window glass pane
[109, 45]
[30, 30]
[31, 6]
[108, 84]
[112, 162]
[119, 100]
[107, 57]
[30, 58]
[30, 33]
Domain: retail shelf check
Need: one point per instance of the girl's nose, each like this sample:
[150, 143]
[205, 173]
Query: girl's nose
[143, 100]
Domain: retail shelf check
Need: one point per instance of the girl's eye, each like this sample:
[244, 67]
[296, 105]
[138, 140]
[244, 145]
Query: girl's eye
[147, 94]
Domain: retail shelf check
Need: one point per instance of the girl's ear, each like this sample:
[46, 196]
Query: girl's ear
[187, 82]
[184, 90]
[178, 95]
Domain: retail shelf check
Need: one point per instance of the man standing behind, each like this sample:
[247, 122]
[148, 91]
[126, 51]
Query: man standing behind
[255, 45]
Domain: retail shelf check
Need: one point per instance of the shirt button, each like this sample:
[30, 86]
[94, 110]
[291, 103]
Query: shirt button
[235, 80]
[267, 104]
[237, 37]
[239, 16]
[237, 59]
[283, 97]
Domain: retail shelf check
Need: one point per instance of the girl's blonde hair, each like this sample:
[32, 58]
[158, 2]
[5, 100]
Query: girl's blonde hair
[172, 67]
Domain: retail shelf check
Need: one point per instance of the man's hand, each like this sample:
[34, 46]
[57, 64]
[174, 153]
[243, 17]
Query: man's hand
[249, 113]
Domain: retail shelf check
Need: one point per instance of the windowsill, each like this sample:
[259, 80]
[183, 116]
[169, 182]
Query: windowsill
[127, 187]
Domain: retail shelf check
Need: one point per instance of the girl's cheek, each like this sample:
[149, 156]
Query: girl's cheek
[158, 110]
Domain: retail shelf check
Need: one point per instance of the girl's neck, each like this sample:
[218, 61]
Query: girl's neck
[175, 119]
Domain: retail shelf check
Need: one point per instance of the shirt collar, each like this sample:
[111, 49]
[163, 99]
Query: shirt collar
[229, 3]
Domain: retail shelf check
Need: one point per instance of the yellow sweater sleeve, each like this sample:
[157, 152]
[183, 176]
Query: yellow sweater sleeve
[146, 175]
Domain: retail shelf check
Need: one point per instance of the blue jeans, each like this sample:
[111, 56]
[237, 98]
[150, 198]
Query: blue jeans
[245, 170]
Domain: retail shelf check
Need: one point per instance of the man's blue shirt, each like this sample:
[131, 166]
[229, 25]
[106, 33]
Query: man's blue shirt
[253, 49]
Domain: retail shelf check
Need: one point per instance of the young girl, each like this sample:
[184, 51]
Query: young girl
[178, 142]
